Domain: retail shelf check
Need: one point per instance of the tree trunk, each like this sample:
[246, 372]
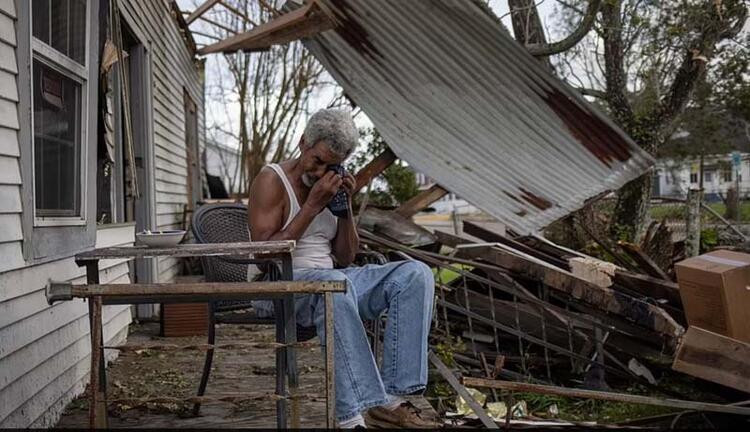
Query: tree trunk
[527, 26]
[631, 214]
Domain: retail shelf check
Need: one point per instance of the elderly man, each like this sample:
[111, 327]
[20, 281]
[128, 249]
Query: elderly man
[288, 201]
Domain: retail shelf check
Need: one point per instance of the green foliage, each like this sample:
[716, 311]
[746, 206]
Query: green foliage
[397, 184]
[709, 239]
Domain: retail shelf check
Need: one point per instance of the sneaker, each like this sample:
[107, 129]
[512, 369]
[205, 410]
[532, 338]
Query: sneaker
[406, 416]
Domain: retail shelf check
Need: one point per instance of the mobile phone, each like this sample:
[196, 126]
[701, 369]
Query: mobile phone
[339, 205]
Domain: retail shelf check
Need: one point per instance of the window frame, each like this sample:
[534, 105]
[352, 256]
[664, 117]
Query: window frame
[58, 237]
[71, 69]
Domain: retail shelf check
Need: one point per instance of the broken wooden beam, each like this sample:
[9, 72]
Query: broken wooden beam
[304, 21]
[643, 260]
[606, 299]
[374, 169]
[714, 357]
[189, 292]
[602, 395]
[461, 390]
[200, 10]
[483, 232]
[421, 200]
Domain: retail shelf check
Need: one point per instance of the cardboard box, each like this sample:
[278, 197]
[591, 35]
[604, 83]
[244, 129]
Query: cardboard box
[715, 292]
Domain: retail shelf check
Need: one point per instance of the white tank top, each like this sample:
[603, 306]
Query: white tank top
[313, 249]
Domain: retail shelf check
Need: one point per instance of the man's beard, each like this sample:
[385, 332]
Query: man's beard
[308, 180]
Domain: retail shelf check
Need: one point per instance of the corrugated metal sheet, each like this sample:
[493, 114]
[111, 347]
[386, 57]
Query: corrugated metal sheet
[462, 102]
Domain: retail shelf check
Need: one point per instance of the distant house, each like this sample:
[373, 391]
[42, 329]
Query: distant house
[447, 204]
[66, 175]
[222, 161]
[673, 177]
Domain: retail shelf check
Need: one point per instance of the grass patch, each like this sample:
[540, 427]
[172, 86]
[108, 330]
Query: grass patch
[677, 211]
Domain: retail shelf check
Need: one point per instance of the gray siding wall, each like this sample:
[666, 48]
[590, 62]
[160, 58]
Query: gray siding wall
[174, 72]
[44, 350]
[11, 234]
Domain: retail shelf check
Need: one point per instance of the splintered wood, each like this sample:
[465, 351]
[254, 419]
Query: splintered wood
[714, 357]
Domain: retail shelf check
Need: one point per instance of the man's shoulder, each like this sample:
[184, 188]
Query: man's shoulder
[267, 181]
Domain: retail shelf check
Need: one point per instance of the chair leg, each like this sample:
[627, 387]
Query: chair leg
[209, 358]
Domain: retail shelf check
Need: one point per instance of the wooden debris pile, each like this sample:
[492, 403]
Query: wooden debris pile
[521, 309]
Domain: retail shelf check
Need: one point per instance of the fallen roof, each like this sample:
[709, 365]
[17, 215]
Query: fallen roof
[459, 100]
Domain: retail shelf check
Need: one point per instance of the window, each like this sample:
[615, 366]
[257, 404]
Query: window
[668, 178]
[58, 90]
[708, 176]
[693, 178]
[727, 174]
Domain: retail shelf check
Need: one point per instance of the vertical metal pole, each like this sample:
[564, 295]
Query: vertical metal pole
[693, 222]
[290, 330]
[468, 308]
[330, 367]
[98, 383]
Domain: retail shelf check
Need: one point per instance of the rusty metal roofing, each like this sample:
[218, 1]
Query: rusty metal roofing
[459, 100]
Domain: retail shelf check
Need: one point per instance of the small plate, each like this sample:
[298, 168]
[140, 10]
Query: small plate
[165, 238]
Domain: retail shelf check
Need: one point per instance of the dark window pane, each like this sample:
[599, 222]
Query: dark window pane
[62, 25]
[78, 30]
[57, 142]
[40, 19]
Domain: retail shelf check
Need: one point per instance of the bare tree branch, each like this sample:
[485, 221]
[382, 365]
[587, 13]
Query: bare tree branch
[587, 22]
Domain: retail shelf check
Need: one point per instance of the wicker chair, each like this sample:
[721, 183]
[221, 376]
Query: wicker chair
[227, 223]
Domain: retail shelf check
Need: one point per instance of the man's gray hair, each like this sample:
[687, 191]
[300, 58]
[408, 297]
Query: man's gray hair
[335, 127]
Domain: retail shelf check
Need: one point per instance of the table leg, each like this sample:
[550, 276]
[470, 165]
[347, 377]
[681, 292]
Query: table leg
[278, 307]
[98, 382]
[330, 377]
[291, 337]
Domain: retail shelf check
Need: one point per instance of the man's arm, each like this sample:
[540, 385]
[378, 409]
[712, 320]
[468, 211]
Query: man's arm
[266, 207]
[346, 243]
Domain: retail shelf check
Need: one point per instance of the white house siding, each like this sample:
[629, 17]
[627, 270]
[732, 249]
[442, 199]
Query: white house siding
[44, 353]
[11, 252]
[173, 70]
[673, 176]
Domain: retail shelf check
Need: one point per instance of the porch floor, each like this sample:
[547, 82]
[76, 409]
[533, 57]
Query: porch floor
[147, 374]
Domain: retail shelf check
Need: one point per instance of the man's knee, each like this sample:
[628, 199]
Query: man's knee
[421, 277]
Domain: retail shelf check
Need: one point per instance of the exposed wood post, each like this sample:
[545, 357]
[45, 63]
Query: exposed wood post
[421, 200]
[330, 367]
[374, 168]
[693, 222]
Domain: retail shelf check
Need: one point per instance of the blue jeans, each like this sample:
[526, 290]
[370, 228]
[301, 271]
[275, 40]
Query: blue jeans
[406, 290]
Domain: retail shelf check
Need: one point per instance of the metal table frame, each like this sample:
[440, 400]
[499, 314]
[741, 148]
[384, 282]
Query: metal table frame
[286, 364]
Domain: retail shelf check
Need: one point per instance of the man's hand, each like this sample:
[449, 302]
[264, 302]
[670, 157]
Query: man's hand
[349, 184]
[323, 191]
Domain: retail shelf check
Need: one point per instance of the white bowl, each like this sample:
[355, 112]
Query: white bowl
[160, 238]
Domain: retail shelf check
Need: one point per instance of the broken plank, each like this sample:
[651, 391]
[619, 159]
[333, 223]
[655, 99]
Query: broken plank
[485, 233]
[607, 299]
[643, 260]
[714, 357]
[374, 169]
[200, 10]
[602, 395]
[421, 200]
[649, 286]
[461, 390]
[305, 21]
